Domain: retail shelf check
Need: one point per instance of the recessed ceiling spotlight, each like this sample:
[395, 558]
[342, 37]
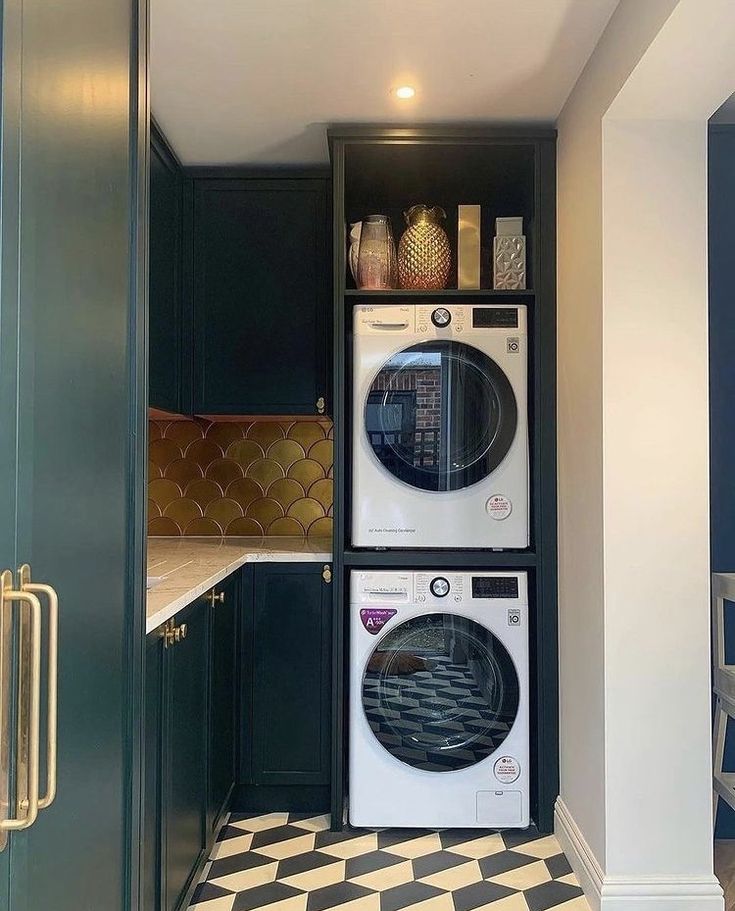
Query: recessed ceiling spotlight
[405, 91]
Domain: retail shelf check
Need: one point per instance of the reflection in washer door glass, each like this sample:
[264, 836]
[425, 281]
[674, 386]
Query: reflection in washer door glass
[440, 692]
[440, 415]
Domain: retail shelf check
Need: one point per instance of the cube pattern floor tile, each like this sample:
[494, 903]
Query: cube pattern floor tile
[292, 862]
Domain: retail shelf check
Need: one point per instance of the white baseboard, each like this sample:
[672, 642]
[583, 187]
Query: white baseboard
[616, 893]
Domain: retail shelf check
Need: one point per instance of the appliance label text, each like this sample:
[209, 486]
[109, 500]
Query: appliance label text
[375, 618]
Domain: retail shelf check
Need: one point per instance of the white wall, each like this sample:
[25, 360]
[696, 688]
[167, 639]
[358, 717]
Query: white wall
[635, 805]
[581, 591]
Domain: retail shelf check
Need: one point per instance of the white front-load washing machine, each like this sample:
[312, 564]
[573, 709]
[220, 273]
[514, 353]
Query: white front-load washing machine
[440, 429]
[439, 716]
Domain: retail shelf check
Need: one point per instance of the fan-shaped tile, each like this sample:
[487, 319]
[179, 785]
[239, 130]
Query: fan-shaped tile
[182, 511]
[306, 510]
[264, 510]
[244, 490]
[306, 432]
[330, 473]
[323, 490]
[322, 528]
[245, 452]
[164, 451]
[224, 472]
[224, 433]
[182, 471]
[286, 452]
[244, 528]
[184, 432]
[153, 509]
[224, 511]
[323, 452]
[330, 432]
[154, 470]
[160, 526]
[285, 526]
[204, 452]
[265, 432]
[204, 528]
[154, 431]
[306, 471]
[163, 491]
[265, 472]
[203, 490]
[285, 490]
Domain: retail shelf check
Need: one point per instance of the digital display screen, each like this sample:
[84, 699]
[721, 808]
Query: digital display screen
[495, 318]
[495, 586]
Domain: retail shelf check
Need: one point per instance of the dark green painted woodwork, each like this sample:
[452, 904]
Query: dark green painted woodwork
[386, 169]
[285, 689]
[291, 645]
[185, 753]
[73, 415]
[260, 295]
[165, 294]
[223, 688]
[152, 773]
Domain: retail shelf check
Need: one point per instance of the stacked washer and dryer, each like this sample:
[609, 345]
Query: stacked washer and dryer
[439, 667]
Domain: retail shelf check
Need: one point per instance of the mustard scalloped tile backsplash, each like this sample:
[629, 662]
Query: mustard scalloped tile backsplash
[240, 478]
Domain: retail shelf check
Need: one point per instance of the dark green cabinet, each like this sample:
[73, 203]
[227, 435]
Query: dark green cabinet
[165, 293]
[222, 701]
[285, 727]
[152, 773]
[185, 756]
[261, 283]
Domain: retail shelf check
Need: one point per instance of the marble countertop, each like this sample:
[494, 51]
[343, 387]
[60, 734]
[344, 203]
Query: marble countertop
[182, 569]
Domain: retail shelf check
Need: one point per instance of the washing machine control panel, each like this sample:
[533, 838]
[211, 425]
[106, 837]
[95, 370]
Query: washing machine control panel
[439, 587]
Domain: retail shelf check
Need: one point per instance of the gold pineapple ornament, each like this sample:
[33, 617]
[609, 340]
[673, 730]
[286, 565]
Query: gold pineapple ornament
[424, 253]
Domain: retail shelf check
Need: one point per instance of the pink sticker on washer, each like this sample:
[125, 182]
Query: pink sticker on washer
[375, 618]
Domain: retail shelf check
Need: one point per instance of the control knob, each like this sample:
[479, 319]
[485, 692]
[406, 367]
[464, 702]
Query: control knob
[441, 317]
[439, 587]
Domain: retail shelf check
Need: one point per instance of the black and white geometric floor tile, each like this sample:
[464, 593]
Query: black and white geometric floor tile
[292, 862]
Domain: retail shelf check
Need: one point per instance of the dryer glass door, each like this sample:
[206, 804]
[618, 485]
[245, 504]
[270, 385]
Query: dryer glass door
[440, 692]
[441, 415]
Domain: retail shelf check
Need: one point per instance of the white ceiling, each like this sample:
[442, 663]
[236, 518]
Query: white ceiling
[256, 81]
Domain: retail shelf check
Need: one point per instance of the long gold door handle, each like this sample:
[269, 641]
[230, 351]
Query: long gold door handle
[52, 683]
[32, 737]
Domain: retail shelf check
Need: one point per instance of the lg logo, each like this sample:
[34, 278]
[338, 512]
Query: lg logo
[513, 345]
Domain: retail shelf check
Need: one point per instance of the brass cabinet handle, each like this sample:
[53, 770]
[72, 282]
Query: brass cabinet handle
[321, 405]
[215, 598]
[173, 634]
[29, 679]
[327, 573]
[53, 679]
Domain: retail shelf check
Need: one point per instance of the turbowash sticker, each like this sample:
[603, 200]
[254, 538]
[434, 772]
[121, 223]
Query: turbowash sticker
[375, 618]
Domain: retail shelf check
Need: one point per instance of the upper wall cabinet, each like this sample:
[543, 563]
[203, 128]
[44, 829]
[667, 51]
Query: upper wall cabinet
[261, 279]
[165, 288]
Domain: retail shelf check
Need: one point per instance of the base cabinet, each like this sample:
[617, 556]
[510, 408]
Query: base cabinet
[189, 726]
[286, 690]
[222, 701]
[185, 754]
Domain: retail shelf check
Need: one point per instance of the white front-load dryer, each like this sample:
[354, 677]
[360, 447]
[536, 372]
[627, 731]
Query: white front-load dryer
[439, 713]
[440, 429]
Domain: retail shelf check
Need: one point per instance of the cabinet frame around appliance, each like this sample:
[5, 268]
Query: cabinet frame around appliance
[540, 561]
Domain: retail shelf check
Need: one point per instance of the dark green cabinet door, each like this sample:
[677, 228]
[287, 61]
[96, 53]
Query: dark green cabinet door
[261, 295]
[152, 769]
[222, 696]
[164, 279]
[291, 675]
[185, 757]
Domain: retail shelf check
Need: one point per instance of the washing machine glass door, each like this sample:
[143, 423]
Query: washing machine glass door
[440, 692]
[440, 415]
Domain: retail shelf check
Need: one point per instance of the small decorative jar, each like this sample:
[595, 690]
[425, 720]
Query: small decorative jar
[424, 253]
[354, 247]
[376, 257]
